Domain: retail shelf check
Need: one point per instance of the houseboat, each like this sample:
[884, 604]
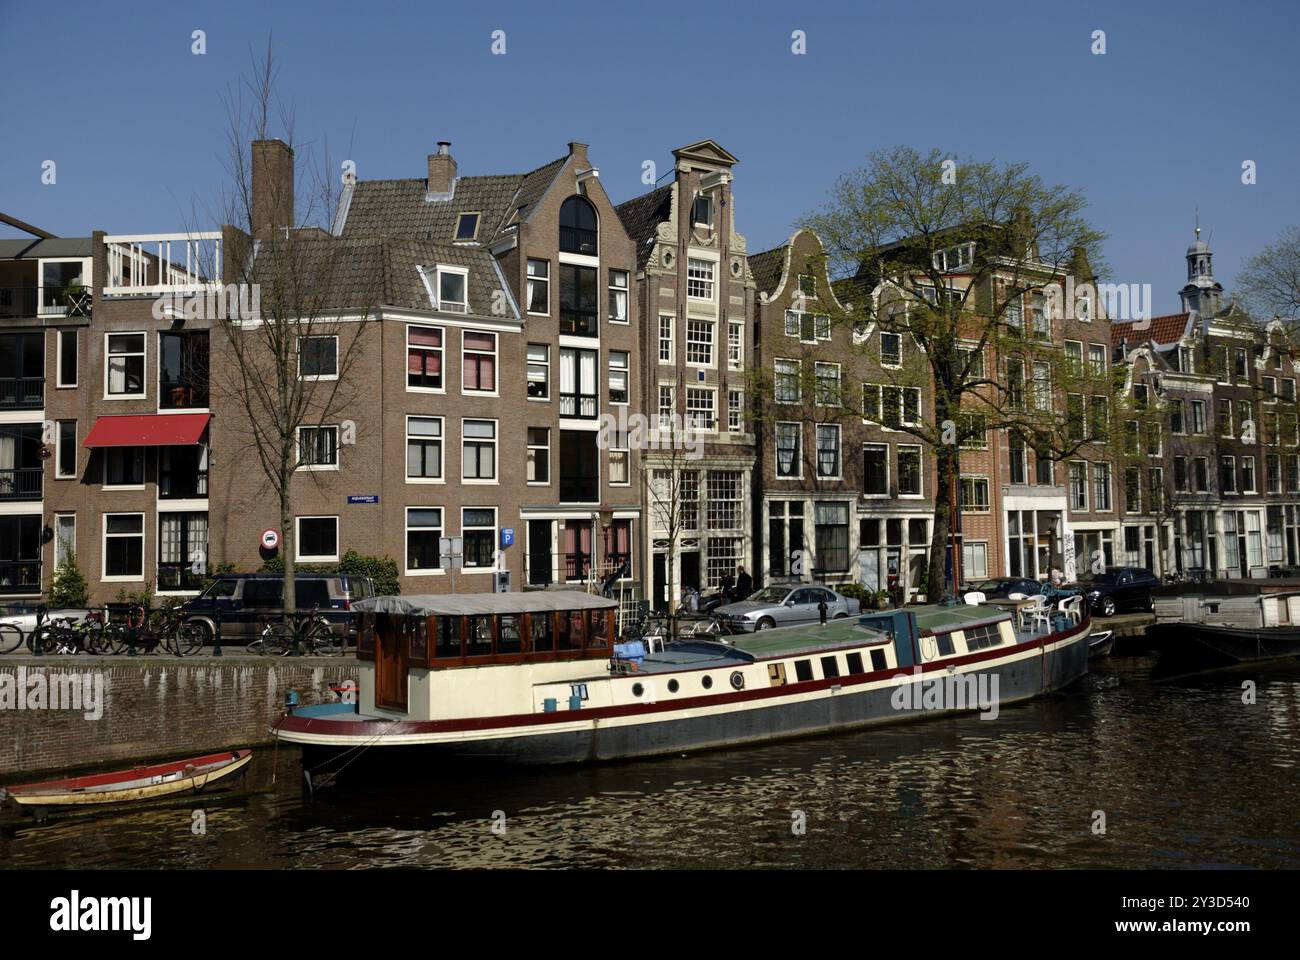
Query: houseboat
[1227, 622]
[537, 677]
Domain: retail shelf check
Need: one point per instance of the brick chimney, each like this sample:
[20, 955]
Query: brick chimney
[579, 153]
[272, 188]
[442, 169]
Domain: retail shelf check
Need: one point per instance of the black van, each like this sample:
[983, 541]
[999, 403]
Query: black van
[239, 602]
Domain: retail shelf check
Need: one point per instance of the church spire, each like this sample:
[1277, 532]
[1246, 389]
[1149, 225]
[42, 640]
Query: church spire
[1202, 294]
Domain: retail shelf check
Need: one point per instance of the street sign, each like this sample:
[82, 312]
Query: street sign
[507, 536]
[270, 538]
[450, 549]
[364, 498]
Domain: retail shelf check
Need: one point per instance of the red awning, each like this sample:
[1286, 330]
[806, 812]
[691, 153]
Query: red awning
[150, 430]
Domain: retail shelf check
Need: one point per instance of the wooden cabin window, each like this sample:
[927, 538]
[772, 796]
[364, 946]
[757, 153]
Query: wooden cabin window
[854, 661]
[599, 637]
[978, 638]
[418, 641]
[478, 636]
[571, 630]
[830, 667]
[878, 660]
[542, 632]
[447, 638]
[803, 670]
[366, 637]
[510, 634]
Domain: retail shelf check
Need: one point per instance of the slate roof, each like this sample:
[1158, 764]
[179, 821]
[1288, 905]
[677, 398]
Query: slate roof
[767, 267]
[1162, 331]
[30, 248]
[401, 208]
[362, 272]
[642, 215]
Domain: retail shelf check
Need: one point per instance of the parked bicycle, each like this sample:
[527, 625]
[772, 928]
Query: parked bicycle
[144, 631]
[66, 635]
[309, 633]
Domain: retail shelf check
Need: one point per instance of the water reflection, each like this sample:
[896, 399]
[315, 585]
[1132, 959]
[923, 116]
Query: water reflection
[1185, 773]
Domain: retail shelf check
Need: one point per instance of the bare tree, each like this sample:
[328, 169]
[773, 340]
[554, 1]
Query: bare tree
[1269, 283]
[287, 364]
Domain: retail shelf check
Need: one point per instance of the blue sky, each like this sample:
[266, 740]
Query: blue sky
[1158, 125]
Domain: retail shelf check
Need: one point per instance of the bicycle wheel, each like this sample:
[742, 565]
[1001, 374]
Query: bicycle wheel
[186, 638]
[277, 639]
[11, 638]
[114, 638]
[319, 637]
[41, 640]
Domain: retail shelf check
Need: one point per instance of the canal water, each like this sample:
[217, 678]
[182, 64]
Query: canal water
[1184, 774]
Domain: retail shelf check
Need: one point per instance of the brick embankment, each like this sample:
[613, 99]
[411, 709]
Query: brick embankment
[65, 713]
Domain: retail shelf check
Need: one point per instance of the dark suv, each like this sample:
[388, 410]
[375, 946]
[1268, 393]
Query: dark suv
[1119, 588]
[239, 602]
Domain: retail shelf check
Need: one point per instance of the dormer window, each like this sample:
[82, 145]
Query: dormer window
[467, 226]
[1186, 360]
[578, 227]
[452, 289]
[702, 211]
[954, 258]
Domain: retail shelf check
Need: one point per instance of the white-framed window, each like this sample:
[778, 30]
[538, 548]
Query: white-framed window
[1042, 385]
[891, 349]
[478, 451]
[539, 371]
[1101, 487]
[66, 359]
[467, 227]
[1269, 387]
[787, 388]
[808, 327]
[318, 447]
[1074, 356]
[667, 405]
[539, 455]
[975, 560]
[1196, 416]
[975, 494]
[1225, 417]
[726, 497]
[478, 362]
[618, 292]
[318, 358]
[539, 287]
[721, 558]
[910, 478]
[478, 530]
[124, 364]
[735, 411]
[699, 342]
[702, 408]
[620, 472]
[951, 259]
[702, 210]
[123, 547]
[699, 278]
[124, 467]
[666, 323]
[827, 384]
[618, 376]
[423, 539]
[789, 450]
[424, 359]
[1097, 358]
[65, 537]
[736, 345]
[829, 462]
[1273, 473]
[875, 469]
[453, 289]
[1247, 474]
[1227, 474]
[423, 449]
[1078, 473]
[317, 539]
[65, 454]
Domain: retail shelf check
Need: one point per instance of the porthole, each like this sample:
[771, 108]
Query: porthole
[637, 689]
[735, 268]
[707, 681]
[672, 686]
[737, 680]
[668, 258]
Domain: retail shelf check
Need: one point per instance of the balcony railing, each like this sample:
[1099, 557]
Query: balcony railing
[579, 323]
[577, 566]
[145, 264]
[20, 576]
[580, 405]
[18, 301]
[179, 576]
[22, 393]
[21, 483]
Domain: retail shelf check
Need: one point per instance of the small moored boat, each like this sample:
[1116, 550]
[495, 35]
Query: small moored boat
[194, 774]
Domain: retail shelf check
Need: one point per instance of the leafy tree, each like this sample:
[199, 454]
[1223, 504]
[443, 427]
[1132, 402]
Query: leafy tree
[68, 586]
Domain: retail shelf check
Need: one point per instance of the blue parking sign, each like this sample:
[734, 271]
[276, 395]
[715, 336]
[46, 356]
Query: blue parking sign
[507, 536]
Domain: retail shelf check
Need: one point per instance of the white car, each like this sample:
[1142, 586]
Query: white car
[26, 621]
[785, 606]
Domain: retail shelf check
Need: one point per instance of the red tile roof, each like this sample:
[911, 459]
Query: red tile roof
[1160, 330]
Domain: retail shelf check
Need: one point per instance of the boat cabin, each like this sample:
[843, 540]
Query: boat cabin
[405, 643]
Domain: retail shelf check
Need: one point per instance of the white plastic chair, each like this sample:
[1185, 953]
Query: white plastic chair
[975, 598]
[1042, 613]
[1030, 612]
[1072, 607]
[1015, 596]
